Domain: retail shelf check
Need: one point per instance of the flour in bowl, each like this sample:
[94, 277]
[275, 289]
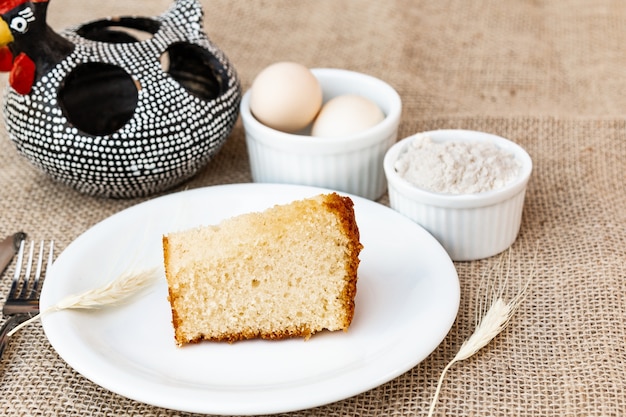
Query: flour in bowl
[456, 167]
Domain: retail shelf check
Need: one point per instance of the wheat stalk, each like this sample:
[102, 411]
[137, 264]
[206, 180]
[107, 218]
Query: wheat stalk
[493, 316]
[115, 292]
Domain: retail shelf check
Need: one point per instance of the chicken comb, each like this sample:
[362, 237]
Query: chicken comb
[8, 5]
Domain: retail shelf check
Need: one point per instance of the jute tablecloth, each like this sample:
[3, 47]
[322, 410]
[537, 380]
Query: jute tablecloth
[549, 75]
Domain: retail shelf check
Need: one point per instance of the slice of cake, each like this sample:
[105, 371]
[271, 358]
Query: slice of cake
[289, 271]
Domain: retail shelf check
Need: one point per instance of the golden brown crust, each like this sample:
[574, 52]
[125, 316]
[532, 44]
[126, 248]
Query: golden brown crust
[344, 209]
[171, 295]
[246, 334]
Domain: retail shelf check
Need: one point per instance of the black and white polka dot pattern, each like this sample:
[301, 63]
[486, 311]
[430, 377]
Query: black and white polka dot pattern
[171, 135]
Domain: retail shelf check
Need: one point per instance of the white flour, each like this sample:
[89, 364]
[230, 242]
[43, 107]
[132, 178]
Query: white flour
[456, 167]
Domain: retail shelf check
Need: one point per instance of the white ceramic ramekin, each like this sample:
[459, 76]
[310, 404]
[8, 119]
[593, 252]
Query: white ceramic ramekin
[353, 164]
[468, 226]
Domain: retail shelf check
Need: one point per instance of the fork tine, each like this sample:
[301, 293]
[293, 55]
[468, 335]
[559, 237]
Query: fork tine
[37, 281]
[18, 271]
[50, 255]
[33, 291]
[29, 267]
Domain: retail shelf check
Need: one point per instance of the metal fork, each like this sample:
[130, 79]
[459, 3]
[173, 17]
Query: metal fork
[23, 299]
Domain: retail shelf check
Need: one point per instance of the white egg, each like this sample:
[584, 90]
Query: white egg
[345, 115]
[285, 96]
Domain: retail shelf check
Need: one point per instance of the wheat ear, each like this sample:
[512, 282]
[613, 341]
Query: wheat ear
[493, 316]
[115, 292]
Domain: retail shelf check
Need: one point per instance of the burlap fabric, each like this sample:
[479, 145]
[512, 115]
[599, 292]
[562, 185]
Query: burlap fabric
[548, 75]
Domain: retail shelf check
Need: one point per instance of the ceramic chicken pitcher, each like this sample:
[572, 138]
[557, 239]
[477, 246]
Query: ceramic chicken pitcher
[121, 107]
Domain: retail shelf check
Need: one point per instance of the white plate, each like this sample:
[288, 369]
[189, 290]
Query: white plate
[407, 301]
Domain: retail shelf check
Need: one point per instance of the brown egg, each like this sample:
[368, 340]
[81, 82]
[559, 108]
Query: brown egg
[285, 96]
[346, 115]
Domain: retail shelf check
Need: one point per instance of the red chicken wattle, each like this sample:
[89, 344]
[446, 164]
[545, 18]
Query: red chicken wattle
[22, 70]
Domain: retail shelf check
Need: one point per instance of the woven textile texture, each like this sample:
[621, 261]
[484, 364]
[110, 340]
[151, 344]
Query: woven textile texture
[547, 75]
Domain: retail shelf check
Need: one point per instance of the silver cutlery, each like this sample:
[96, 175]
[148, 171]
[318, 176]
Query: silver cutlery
[23, 299]
[8, 248]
